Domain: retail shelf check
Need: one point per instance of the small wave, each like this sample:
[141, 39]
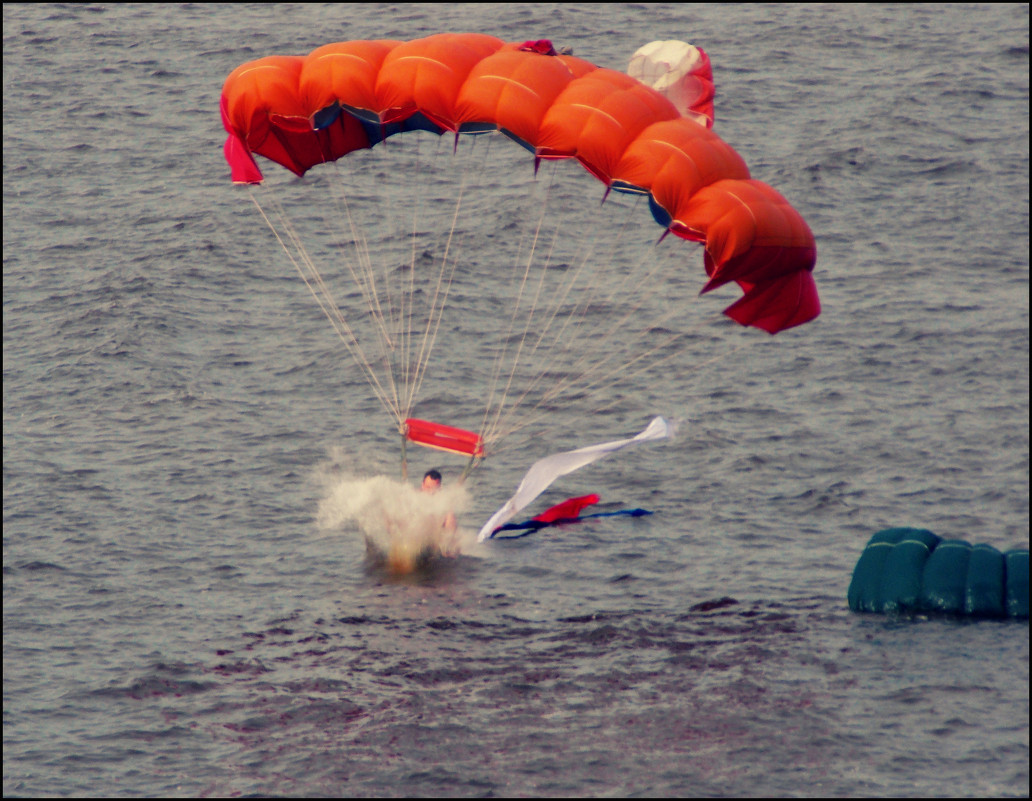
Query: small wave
[711, 606]
[36, 566]
[155, 686]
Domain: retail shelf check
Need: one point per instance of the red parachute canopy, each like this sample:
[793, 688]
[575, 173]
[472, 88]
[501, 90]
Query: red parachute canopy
[300, 111]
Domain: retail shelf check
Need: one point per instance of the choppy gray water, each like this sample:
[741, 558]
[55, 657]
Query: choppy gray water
[176, 622]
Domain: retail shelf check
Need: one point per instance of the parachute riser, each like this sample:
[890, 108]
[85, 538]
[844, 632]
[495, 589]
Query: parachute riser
[473, 462]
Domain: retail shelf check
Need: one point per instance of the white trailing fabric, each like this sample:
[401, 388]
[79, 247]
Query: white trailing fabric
[544, 471]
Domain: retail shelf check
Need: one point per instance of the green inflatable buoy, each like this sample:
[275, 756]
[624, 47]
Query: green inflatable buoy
[914, 570]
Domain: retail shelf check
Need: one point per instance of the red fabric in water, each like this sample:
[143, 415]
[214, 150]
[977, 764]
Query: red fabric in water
[569, 508]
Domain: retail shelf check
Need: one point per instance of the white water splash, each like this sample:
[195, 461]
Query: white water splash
[403, 526]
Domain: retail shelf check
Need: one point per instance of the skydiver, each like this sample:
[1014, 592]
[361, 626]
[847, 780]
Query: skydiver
[432, 483]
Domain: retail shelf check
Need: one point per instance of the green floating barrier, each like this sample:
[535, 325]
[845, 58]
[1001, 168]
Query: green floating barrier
[1016, 595]
[985, 580]
[944, 578]
[913, 570]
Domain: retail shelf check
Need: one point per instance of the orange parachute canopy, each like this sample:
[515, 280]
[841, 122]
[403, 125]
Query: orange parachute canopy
[300, 111]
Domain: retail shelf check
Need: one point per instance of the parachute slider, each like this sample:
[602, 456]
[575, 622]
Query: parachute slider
[444, 438]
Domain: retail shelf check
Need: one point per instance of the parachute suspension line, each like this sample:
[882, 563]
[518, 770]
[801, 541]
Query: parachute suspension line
[574, 318]
[495, 430]
[401, 294]
[302, 261]
[407, 282]
[538, 310]
[549, 315]
[404, 456]
[392, 319]
[442, 286]
[474, 460]
[647, 365]
[363, 275]
[490, 428]
[589, 381]
[589, 369]
[695, 367]
[389, 299]
[333, 312]
[602, 370]
[490, 421]
[437, 303]
[623, 372]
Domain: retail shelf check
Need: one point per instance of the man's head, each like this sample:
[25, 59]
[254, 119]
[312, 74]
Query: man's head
[431, 481]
